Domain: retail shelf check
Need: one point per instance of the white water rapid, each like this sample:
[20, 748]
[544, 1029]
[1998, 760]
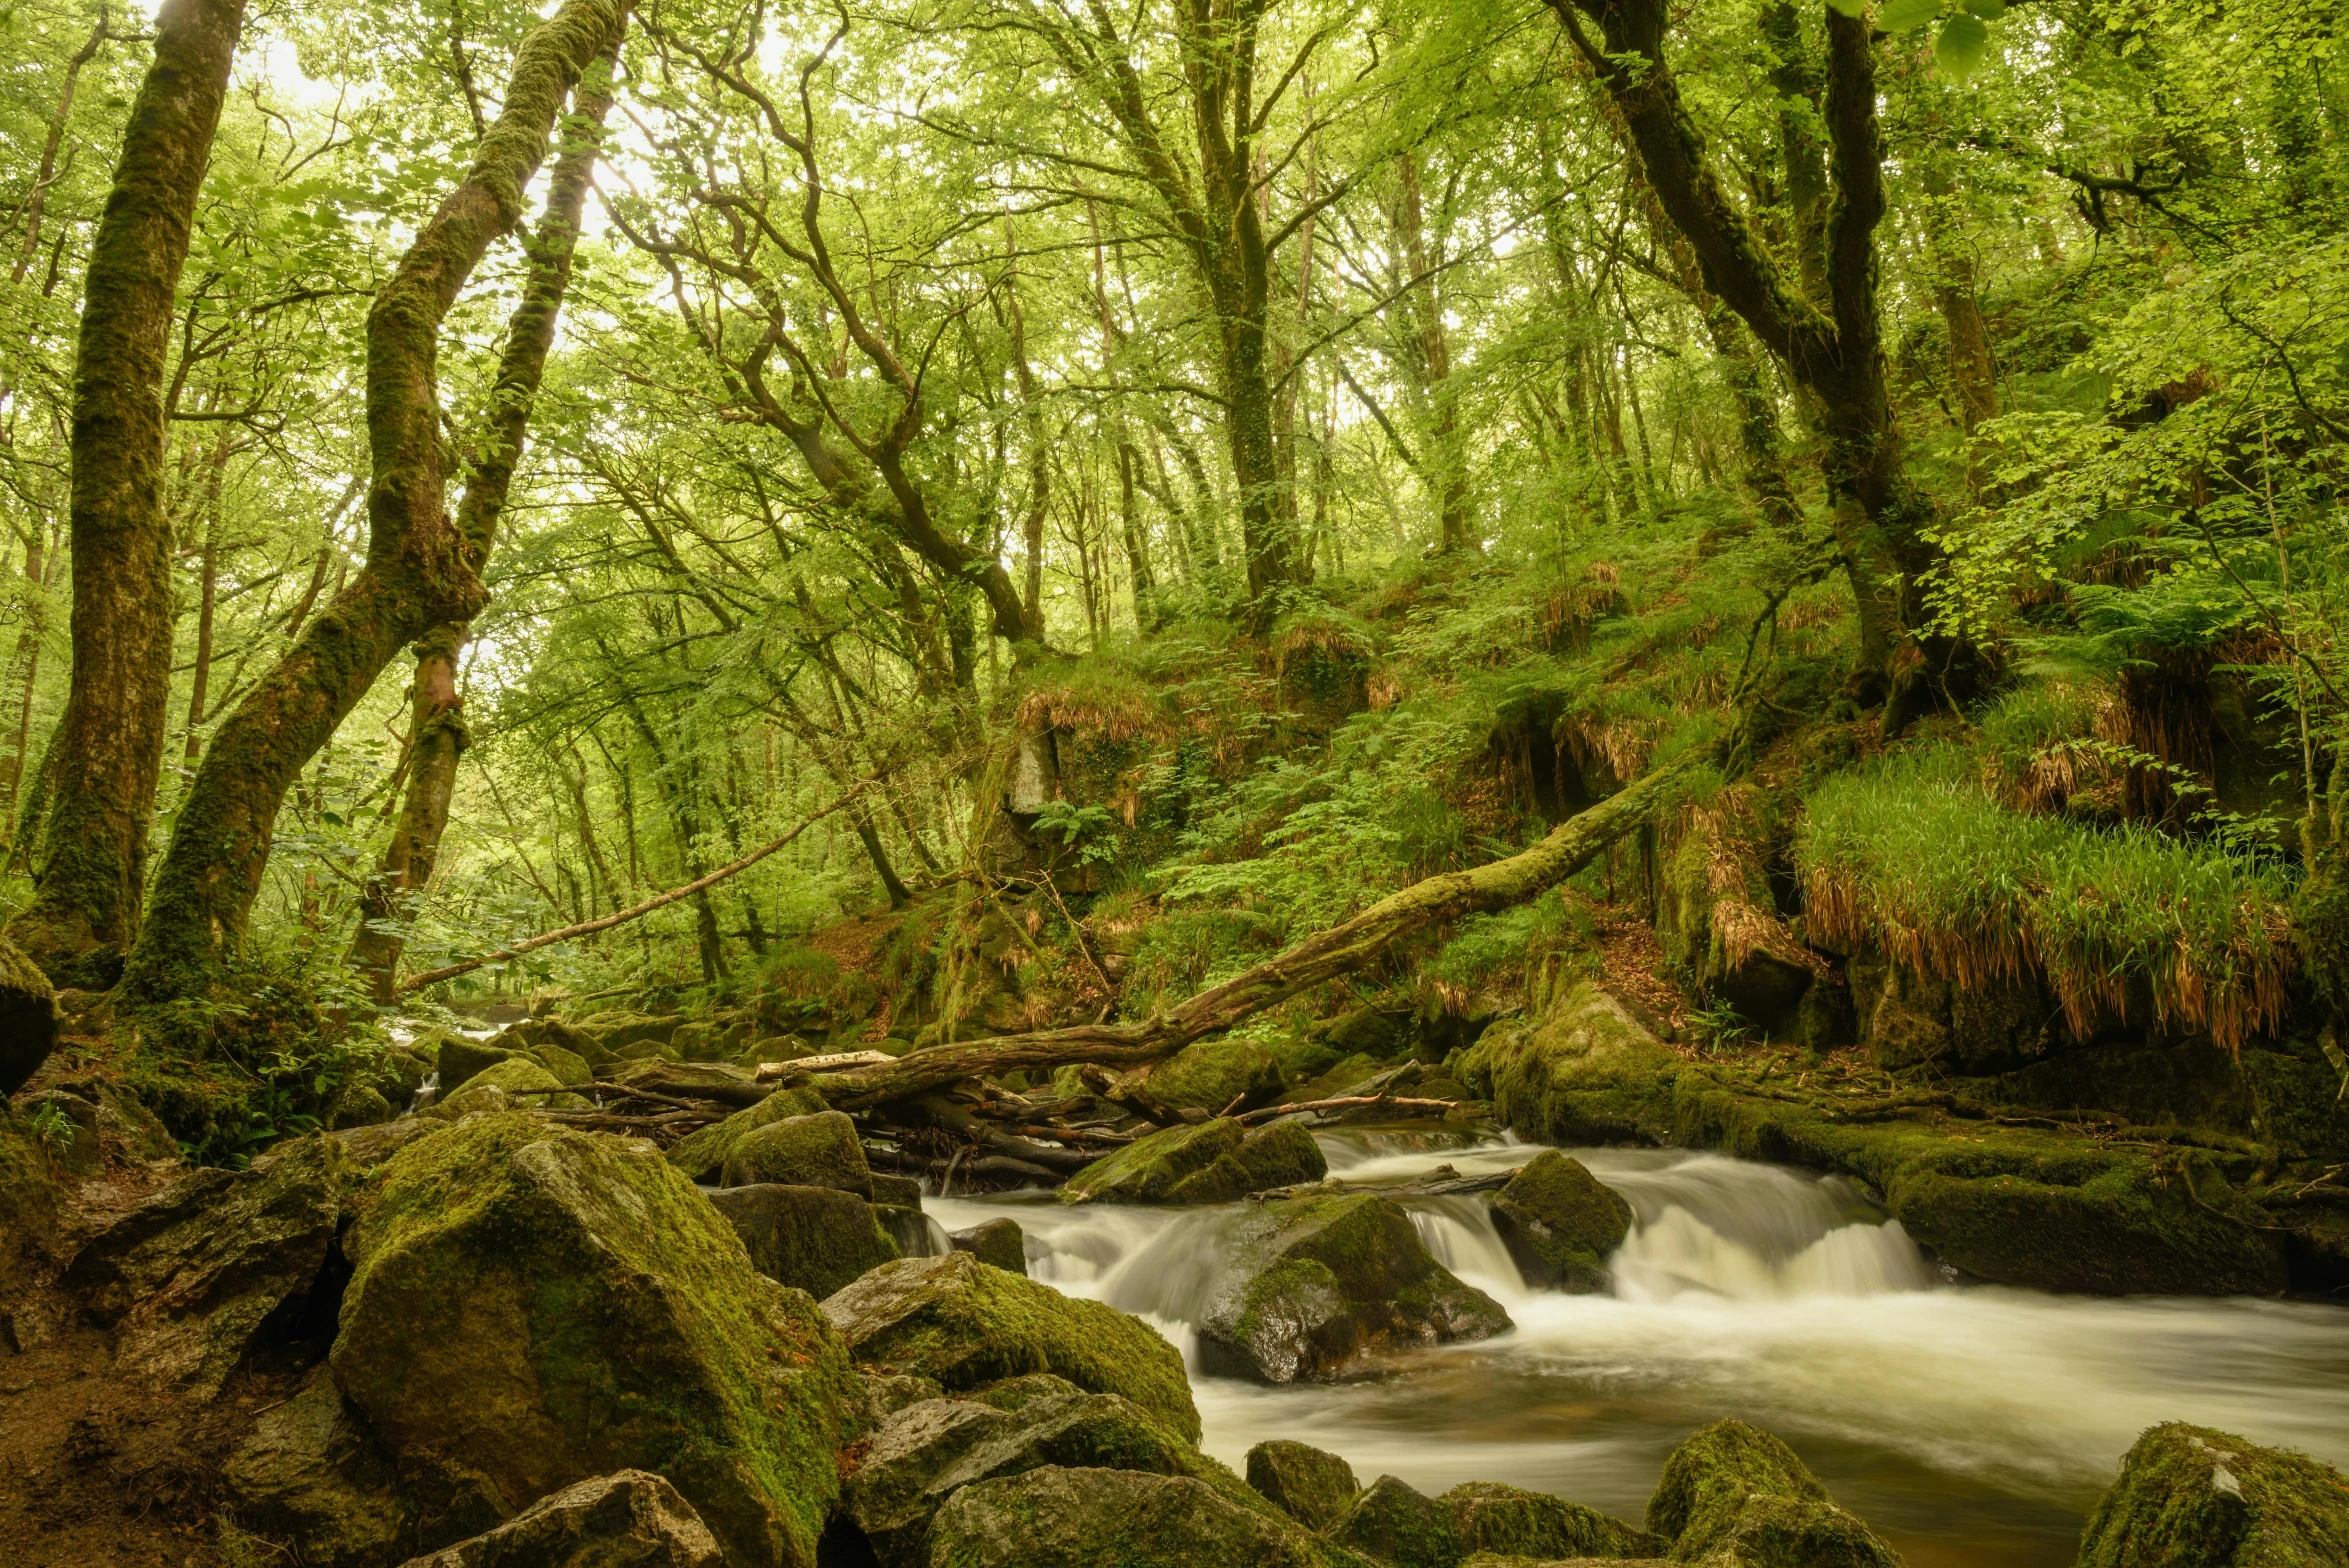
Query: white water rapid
[1973, 1425]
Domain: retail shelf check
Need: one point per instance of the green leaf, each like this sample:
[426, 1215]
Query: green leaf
[1963, 42]
[1851, 8]
[1988, 10]
[1898, 16]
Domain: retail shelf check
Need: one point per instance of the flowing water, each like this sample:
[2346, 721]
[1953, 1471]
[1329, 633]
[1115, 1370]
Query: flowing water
[1973, 1425]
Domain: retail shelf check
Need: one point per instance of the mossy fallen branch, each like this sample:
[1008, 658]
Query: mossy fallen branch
[1321, 957]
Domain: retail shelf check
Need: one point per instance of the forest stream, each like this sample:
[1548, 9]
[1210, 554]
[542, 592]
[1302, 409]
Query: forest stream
[1972, 1425]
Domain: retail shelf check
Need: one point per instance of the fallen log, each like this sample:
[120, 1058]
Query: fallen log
[1435, 1184]
[1323, 956]
[1348, 1102]
[431, 977]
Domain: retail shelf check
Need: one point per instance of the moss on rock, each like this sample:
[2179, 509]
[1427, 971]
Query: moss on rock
[2192, 1497]
[1399, 1526]
[2017, 1204]
[532, 1306]
[1000, 1243]
[1561, 1223]
[1087, 1518]
[957, 1320]
[458, 1059]
[517, 1083]
[1733, 1496]
[1216, 1076]
[702, 1155]
[1310, 1486]
[817, 1238]
[1207, 1162]
[1308, 1284]
[821, 1150]
[1491, 1517]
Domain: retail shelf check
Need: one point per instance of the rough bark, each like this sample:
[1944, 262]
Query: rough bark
[437, 733]
[108, 751]
[1831, 347]
[420, 570]
[1321, 957]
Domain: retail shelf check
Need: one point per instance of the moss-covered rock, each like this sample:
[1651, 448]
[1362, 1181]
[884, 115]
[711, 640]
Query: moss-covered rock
[568, 1066]
[702, 1155]
[617, 1031]
[1399, 1526]
[999, 1243]
[1733, 1496]
[199, 1275]
[313, 1480]
[807, 1151]
[1216, 1076]
[2192, 1497]
[30, 1198]
[901, 1192]
[817, 1238]
[1087, 1518]
[1208, 1162]
[531, 1306]
[28, 1018]
[1490, 1517]
[1561, 1223]
[1308, 1284]
[2021, 1205]
[457, 1058]
[923, 1455]
[630, 1520]
[1312, 1487]
[517, 1083]
[957, 1320]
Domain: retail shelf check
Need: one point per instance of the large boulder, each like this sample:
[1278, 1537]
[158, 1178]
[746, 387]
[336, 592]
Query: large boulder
[1207, 1162]
[1090, 1518]
[217, 1264]
[28, 1018]
[2193, 1497]
[926, 1453]
[629, 1520]
[999, 1242]
[817, 1238]
[1399, 1526]
[617, 1031]
[1216, 1076]
[458, 1058]
[806, 1151]
[517, 1083]
[1491, 1517]
[532, 1306]
[1733, 1496]
[312, 1479]
[702, 1155]
[1312, 1487]
[956, 1319]
[1561, 1223]
[1308, 1284]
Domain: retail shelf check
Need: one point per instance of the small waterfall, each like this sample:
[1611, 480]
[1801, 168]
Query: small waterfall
[916, 1234]
[1459, 1234]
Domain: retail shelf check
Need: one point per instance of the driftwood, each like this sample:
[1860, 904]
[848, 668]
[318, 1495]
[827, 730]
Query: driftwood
[432, 977]
[1442, 1182]
[1323, 956]
[1348, 1102]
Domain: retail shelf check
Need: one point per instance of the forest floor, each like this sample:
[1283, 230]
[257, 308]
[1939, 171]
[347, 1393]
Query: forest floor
[102, 1471]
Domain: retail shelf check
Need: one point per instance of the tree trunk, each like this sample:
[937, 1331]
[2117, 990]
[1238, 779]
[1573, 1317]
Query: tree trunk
[420, 570]
[1424, 306]
[437, 734]
[108, 751]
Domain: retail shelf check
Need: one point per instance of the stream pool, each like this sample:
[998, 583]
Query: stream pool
[1971, 1425]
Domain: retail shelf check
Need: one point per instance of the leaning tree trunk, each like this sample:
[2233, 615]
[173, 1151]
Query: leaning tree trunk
[91, 859]
[438, 733]
[420, 570]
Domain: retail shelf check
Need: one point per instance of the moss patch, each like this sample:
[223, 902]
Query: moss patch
[2190, 1495]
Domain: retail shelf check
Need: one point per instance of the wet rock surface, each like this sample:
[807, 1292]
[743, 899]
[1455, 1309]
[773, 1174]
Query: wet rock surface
[821, 1150]
[1560, 1223]
[964, 1323]
[816, 1238]
[1733, 1496]
[999, 1243]
[1212, 1162]
[1307, 1285]
[1082, 1518]
[629, 1520]
[1310, 1486]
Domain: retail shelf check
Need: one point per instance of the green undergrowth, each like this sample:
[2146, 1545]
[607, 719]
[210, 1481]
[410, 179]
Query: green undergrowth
[1916, 855]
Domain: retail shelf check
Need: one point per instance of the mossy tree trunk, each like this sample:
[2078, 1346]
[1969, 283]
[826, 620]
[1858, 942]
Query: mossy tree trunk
[437, 733]
[421, 570]
[90, 862]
